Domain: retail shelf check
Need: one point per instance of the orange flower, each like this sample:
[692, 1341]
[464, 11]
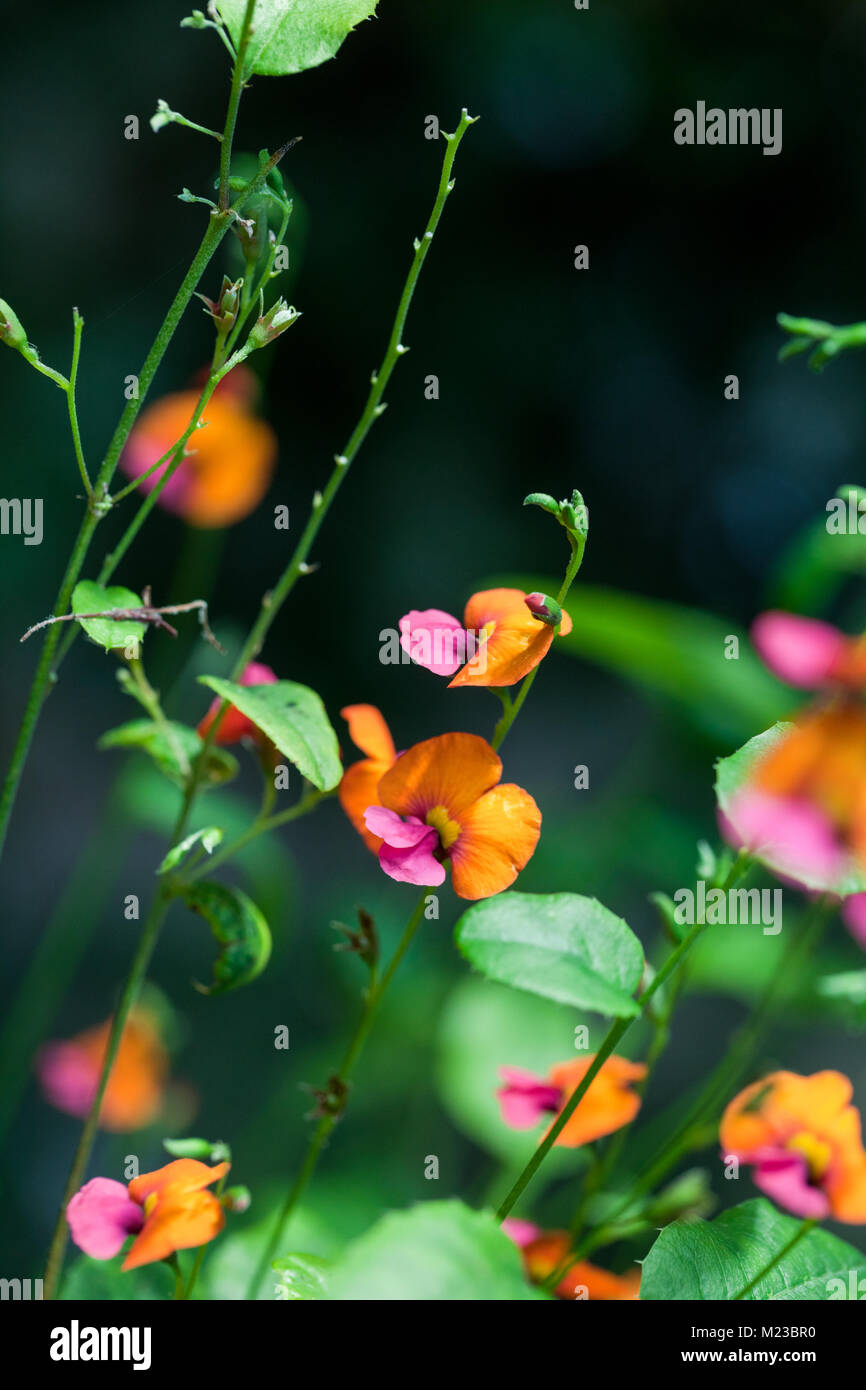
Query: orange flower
[500, 628]
[607, 1105]
[359, 785]
[802, 1135]
[229, 462]
[169, 1209]
[803, 809]
[447, 788]
[545, 1253]
[69, 1073]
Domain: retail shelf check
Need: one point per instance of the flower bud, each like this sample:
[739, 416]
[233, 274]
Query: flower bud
[11, 331]
[224, 309]
[275, 321]
[544, 608]
[236, 1199]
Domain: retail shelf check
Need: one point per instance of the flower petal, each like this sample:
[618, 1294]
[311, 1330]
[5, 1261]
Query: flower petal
[414, 863]
[801, 651]
[854, 917]
[187, 1174]
[397, 833]
[516, 643]
[608, 1104]
[182, 1219]
[434, 640]
[498, 835]
[359, 789]
[525, 1098]
[369, 732]
[101, 1216]
[784, 1176]
[452, 770]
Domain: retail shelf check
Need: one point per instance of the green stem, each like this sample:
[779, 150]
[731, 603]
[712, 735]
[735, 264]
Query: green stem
[328, 1121]
[613, 1037]
[234, 103]
[147, 942]
[218, 225]
[78, 326]
[261, 826]
[803, 1230]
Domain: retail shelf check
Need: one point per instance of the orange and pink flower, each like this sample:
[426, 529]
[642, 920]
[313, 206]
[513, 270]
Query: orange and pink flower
[440, 801]
[609, 1102]
[167, 1210]
[69, 1073]
[498, 643]
[229, 462]
[544, 1251]
[801, 1136]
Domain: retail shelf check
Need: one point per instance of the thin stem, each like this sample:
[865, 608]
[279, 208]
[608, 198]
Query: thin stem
[141, 960]
[329, 1119]
[45, 673]
[261, 826]
[234, 103]
[513, 707]
[614, 1035]
[807, 1226]
[78, 326]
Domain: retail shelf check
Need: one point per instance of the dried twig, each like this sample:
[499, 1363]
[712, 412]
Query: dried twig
[145, 614]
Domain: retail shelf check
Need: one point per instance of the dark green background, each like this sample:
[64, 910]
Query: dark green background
[610, 380]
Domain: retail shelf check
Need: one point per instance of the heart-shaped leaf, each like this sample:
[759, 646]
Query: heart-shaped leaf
[239, 927]
[109, 633]
[561, 945]
[294, 719]
[288, 36]
[718, 1259]
[173, 748]
[436, 1251]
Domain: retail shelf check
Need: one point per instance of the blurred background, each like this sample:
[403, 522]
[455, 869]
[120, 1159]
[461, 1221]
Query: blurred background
[703, 510]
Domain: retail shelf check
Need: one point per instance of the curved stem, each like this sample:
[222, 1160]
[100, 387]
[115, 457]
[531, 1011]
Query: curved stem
[329, 1119]
[78, 326]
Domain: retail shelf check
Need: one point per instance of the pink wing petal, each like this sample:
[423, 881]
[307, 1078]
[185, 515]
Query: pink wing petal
[101, 1215]
[785, 1177]
[434, 640]
[801, 651]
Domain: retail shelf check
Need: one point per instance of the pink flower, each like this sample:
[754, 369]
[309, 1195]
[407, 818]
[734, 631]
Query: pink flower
[807, 653]
[784, 1176]
[793, 836]
[434, 639]
[101, 1215]
[523, 1233]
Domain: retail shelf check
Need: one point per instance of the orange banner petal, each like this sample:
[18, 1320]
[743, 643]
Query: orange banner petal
[498, 835]
[453, 771]
[181, 1220]
[369, 732]
[608, 1104]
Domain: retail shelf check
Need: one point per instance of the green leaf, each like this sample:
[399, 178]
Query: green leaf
[101, 1281]
[436, 1251]
[210, 837]
[291, 37]
[109, 633]
[715, 1260]
[675, 652]
[294, 719]
[560, 945]
[734, 772]
[173, 748]
[240, 929]
[845, 996]
[302, 1278]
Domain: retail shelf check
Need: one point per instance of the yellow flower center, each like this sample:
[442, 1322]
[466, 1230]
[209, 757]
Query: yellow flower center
[816, 1153]
[447, 829]
[150, 1202]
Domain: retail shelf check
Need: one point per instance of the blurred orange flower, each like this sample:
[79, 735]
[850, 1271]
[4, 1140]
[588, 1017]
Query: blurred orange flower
[229, 462]
[608, 1104]
[802, 1136]
[69, 1073]
[546, 1251]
